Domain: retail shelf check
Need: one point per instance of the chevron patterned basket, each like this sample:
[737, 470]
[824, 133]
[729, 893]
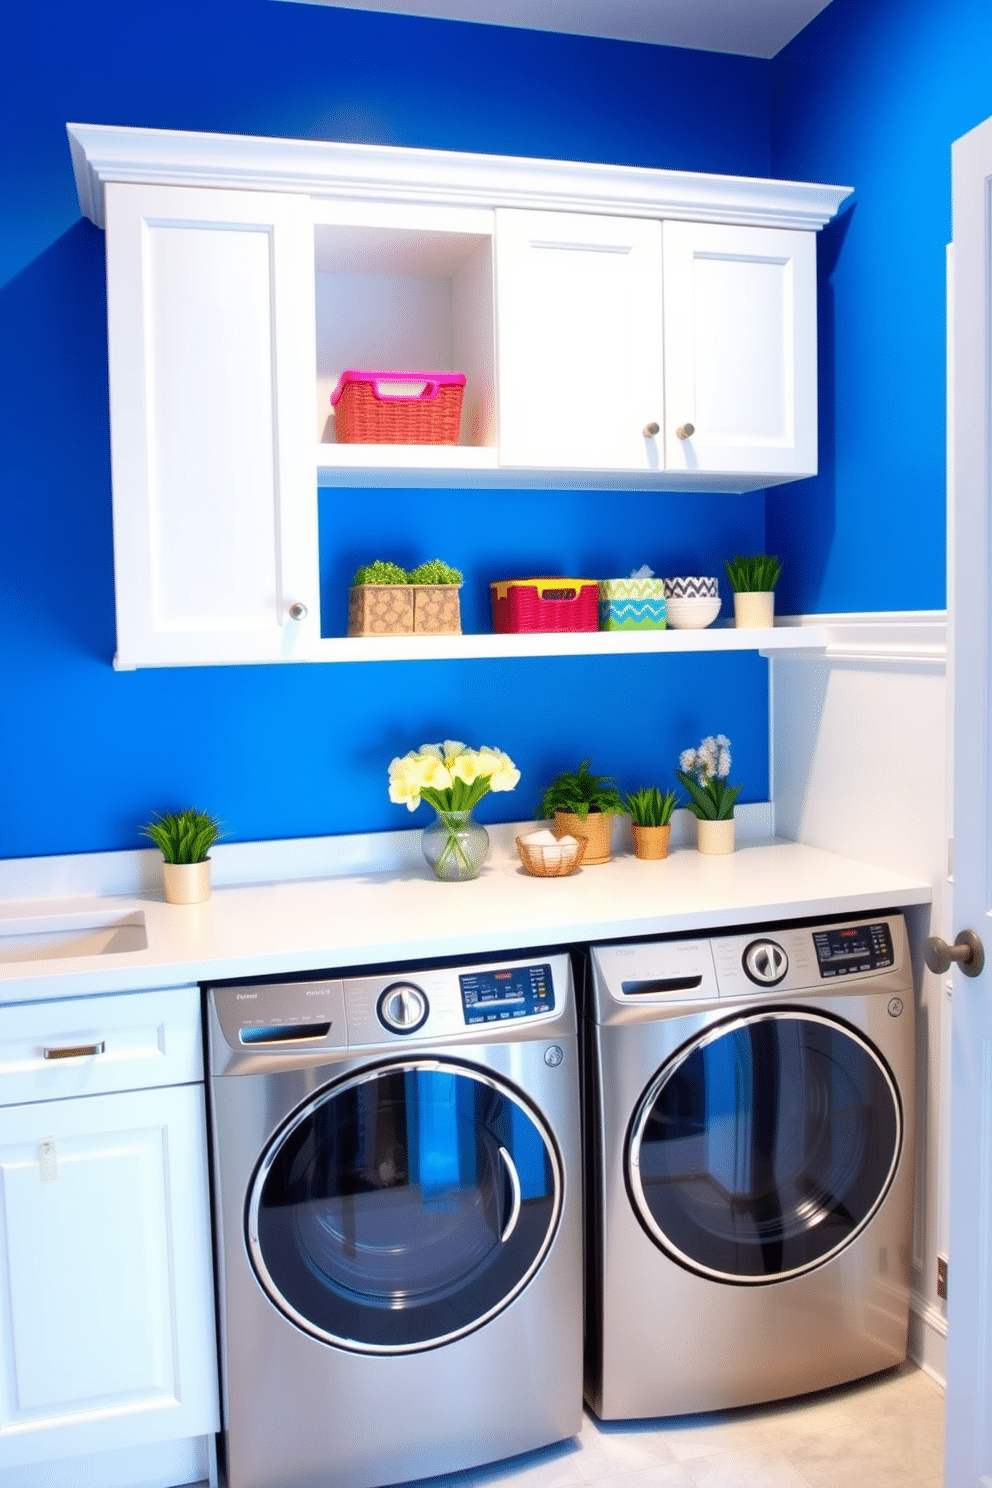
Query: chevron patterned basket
[632, 604]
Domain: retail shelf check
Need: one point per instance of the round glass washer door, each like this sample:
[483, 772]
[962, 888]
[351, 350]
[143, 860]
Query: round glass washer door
[403, 1207]
[764, 1146]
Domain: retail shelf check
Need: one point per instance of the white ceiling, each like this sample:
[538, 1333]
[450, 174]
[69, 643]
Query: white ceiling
[749, 28]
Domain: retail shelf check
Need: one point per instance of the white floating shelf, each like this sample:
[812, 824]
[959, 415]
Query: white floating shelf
[571, 643]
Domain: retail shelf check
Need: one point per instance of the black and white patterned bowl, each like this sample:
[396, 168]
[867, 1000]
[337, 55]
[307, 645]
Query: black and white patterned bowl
[691, 588]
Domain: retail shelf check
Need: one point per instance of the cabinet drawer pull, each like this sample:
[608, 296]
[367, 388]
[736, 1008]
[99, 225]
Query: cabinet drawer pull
[298, 612]
[75, 1051]
[685, 431]
[651, 429]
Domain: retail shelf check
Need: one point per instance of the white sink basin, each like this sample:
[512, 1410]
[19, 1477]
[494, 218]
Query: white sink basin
[57, 937]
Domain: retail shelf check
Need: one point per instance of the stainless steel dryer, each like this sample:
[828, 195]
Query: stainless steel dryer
[397, 1192]
[749, 1146]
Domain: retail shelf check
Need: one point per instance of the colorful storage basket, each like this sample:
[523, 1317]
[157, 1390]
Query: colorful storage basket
[372, 408]
[632, 604]
[545, 604]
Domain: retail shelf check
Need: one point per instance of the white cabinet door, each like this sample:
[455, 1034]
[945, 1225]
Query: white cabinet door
[212, 370]
[740, 349]
[106, 1296]
[578, 334]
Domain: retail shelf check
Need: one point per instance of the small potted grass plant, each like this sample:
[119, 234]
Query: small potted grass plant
[385, 599]
[184, 838]
[583, 806]
[753, 581]
[650, 820]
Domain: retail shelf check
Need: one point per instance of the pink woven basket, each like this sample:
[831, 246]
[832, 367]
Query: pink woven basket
[364, 413]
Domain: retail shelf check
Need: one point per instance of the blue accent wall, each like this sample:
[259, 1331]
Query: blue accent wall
[87, 754]
[873, 96]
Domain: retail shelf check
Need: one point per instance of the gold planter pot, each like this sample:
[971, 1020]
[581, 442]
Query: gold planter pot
[651, 842]
[596, 831]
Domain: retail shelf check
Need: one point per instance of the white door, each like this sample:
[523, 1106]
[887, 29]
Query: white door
[580, 365]
[969, 1340]
[106, 1292]
[210, 303]
[740, 349]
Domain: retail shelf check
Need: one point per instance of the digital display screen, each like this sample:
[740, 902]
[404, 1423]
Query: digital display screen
[508, 993]
[853, 948]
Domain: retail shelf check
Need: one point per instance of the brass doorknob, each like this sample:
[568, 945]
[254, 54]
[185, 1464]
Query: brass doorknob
[967, 951]
[685, 431]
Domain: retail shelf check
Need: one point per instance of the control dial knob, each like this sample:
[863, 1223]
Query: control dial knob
[402, 1008]
[765, 962]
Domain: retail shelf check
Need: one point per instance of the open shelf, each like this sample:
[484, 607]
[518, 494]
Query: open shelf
[570, 643]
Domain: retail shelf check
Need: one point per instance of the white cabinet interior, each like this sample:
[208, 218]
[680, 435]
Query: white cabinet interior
[406, 288]
[586, 304]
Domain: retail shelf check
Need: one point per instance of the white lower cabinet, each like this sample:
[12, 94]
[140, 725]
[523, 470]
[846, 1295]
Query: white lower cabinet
[107, 1338]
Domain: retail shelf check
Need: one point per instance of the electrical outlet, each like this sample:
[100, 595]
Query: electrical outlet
[942, 1277]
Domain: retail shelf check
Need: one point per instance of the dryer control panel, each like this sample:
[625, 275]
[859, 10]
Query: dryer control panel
[849, 949]
[777, 960]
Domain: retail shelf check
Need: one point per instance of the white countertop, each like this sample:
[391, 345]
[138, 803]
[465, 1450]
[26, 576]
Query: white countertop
[360, 918]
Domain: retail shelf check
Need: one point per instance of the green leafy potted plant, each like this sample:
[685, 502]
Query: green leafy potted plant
[704, 773]
[184, 838]
[650, 820]
[753, 581]
[583, 806]
[387, 600]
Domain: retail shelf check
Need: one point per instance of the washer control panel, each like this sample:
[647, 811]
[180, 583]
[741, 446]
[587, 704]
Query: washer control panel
[504, 993]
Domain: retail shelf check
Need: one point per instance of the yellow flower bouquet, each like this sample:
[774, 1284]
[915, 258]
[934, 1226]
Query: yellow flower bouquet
[452, 778]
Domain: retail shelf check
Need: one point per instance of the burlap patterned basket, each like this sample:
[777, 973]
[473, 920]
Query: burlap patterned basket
[404, 609]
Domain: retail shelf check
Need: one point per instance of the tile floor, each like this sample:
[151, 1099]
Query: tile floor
[884, 1432]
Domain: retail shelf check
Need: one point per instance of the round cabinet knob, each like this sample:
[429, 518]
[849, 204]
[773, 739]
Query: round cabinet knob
[967, 951]
[402, 1008]
[297, 612]
[685, 431]
[651, 429]
[765, 962]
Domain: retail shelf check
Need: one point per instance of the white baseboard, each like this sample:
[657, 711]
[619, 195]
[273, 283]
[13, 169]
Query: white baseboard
[163, 1464]
[928, 1339]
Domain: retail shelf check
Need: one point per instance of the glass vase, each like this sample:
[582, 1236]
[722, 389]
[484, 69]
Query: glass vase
[455, 845]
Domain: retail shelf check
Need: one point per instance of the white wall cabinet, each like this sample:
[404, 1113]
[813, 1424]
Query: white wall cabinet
[210, 303]
[579, 333]
[600, 371]
[106, 1290]
[586, 304]
[740, 349]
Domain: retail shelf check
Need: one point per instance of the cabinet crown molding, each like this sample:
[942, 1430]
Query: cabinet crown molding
[333, 171]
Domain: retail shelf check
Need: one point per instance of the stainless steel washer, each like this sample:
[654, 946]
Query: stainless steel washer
[749, 1146]
[397, 1199]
